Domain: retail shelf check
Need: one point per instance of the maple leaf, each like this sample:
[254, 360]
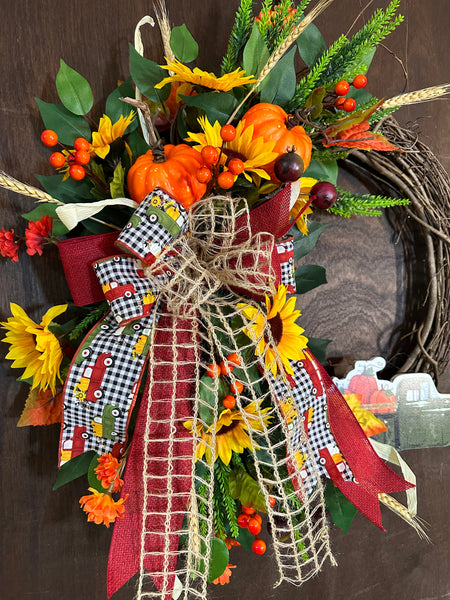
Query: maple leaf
[370, 424]
[359, 136]
[42, 407]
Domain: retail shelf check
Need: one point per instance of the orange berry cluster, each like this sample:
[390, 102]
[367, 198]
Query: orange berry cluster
[222, 370]
[75, 159]
[343, 87]
[251, 520]
[212, 170]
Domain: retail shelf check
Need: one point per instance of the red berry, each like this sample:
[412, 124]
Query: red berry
[49, 137]
[259, 546]
[257, 517]
[254, 526]
[234, 359]
[204, 175]
[82, 157]
[349, 105]
[323, 195]
[360, 81]
[243, 520]
[226, 180]
[213, 370]
[342, 87]
[289, 167]
[228, 133]
[57, 159]
[77, 172]
[272, 501]
[81, 144]
[247, 510]
[236, 166]
[210, 154]
[339, 102]
[229, 401]
[236, 387]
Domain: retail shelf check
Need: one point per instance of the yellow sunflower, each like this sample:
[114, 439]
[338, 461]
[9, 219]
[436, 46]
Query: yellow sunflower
[285, 341]
[253, 153]
[198, 77]
[231, 431]
[306, 183]
[34, 347]
[107, 133]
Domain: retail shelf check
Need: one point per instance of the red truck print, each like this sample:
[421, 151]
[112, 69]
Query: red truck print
[74, 446]
[113, 290]
[88, 388]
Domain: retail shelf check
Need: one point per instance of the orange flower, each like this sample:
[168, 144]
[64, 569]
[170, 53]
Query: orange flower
[9, 245]
[108, 472]
[230, 543]
[101, 508]
[36, 233]
[225, 577]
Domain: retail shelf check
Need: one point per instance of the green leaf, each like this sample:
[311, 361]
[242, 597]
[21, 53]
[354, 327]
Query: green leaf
[66, 191]
[115, 108]
[245, 538]
[74, 468]
[183, 44]
[217, 106]
[73, 89]
[304, 244]
[146, 74]
[308, 277]
[245, 489]
[94, 481]
[342, 510]
[137, 144]
[47, 208]
[116, 185]
[281, 82]
[323, 170]
[311, 45]
[255, 53]
[218, 559]
[209, 396]
[318, 347]
[67, 125]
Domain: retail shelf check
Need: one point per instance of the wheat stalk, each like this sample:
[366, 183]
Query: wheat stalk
[423, 95]
[404, 513]
[283, 47]
[164, 27]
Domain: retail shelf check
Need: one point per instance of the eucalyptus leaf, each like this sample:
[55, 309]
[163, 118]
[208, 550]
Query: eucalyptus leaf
[74, 468]
[308, 277]
[74, 90]
[311, 45]
[67, 125]
[323, 170]
[94, 481]
[146, 74]
[304, 244]
[341, 510]
[318, 347]
[66, 191]
[47, 208]
[255, 53]
[218, 106]
[281, 82]
[183, 44]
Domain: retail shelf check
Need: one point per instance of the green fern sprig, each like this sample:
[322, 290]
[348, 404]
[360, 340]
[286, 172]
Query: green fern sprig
[94, 315]
[227, 503]
[324, 155]
[203, 509]
[381, 114]
[239, 36]
[368, 205]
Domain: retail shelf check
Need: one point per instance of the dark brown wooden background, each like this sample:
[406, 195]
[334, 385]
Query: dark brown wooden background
[47, 548]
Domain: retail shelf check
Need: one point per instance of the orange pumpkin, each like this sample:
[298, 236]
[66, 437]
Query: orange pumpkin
[176, 175]
[271, 123]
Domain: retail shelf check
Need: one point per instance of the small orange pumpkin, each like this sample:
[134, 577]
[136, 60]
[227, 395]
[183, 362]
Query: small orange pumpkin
[176, 174]
[271, 123]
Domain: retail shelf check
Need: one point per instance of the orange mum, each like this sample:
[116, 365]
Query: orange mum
[101, 508]
[108, 472]
[225, 577]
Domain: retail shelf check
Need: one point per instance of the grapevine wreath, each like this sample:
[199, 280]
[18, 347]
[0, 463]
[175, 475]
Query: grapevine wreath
[188, 393]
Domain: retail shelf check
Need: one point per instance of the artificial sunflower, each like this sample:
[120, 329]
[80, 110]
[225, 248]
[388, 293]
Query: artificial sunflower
[107, 133]
[198, 77]
[306, 183]
[285, 341]
[231, 431]
[34, 347]
[253, 152]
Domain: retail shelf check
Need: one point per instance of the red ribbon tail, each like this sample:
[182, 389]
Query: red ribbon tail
[168, 482]
[372, 474]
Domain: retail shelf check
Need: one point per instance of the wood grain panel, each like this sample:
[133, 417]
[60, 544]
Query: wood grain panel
[47, 549]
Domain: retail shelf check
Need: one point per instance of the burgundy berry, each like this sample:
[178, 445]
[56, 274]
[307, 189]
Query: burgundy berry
[323, 195]
[289, 167]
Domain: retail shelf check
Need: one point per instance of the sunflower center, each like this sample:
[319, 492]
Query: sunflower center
[275, 324]
[227, 428]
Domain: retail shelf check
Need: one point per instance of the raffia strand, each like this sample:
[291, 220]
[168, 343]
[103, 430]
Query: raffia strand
[423, 95]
